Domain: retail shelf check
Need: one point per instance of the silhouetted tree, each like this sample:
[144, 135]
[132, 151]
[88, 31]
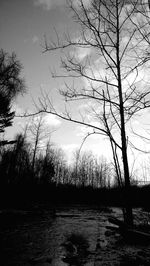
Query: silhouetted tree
[60, 164]
[11, 84]
[15, 164]
[88, 170]
[38, 133]
[114, 37]
[44, 165]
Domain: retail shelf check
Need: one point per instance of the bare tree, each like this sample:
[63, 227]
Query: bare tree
[113, 36]
[103, 172]
[44, 165]
[38, 133]
[59, 166]
[96, 170]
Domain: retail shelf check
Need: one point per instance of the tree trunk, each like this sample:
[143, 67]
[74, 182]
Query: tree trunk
[128, 216]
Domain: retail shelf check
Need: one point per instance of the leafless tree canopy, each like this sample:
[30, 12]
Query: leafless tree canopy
[107, 60]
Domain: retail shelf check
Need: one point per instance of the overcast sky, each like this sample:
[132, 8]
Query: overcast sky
[23, 24]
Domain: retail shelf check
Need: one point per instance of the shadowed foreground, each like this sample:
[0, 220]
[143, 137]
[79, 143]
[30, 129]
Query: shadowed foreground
[67, 235]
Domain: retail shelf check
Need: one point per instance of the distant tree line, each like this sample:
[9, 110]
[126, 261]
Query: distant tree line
[22, 163]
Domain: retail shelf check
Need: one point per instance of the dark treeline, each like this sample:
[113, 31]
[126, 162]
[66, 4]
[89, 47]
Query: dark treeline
[21, 165]
[50, 179]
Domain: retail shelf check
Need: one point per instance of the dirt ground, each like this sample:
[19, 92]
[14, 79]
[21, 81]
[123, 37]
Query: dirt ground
[68, 235]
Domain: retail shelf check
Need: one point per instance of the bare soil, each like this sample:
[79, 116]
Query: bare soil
[68, 235]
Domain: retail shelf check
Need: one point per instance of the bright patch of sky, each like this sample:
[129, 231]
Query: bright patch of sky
[49, 4]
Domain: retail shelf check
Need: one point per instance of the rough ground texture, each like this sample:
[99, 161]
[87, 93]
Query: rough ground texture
[62, 235]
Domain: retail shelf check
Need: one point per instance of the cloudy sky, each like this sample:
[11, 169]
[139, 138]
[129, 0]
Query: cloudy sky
[23, 25]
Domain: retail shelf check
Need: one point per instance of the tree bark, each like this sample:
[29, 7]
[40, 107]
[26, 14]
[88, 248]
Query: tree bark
[128, 216]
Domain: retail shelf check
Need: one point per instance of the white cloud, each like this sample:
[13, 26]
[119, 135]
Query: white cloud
[19, 124]
[85, 2]
[18, 110]
[83, 131]
[35, 39]
[48, 4]
[101, 148]
[49, 119]
[69, 147]
[52, 120]
[69, 150]
[80, 53]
